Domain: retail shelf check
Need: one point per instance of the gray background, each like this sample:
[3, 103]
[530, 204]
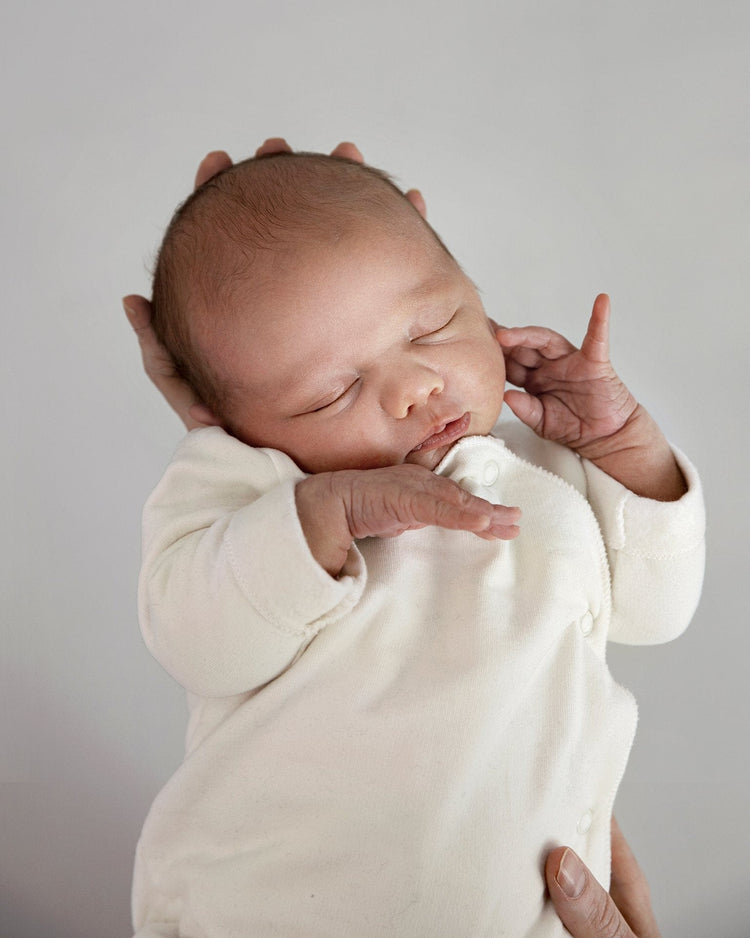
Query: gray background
[564, 148]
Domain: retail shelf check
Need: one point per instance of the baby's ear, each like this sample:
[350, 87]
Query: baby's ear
[203, 416]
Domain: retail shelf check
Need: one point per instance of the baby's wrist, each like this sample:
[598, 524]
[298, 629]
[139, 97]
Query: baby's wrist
[640, 458]
[323, 520]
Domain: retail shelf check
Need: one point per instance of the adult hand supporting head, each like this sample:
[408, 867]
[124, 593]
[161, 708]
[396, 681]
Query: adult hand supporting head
[586, 909]
[159, 366]
[157, 361]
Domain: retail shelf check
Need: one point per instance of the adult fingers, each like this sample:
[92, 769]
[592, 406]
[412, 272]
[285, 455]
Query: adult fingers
[158, 365]
[584, 907]
[273, 145]
[349, 151]
[352, 152]
[212, 163]
[629, 888]
[157, 362]
[417, 200]
[138, 310]
[218, 160]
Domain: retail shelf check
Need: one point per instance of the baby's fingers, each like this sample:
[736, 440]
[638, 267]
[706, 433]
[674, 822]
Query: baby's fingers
[386, 502]
[503, 525]
[516, 373]
[595, 345]
[446, 505]
[520, 340]
[527, 408]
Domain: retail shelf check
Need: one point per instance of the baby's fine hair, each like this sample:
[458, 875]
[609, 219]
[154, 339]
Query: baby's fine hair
[254, 206]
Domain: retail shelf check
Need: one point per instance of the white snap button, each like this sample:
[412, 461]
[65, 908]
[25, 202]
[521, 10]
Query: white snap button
[584, 823]
[586, 624]
[491, 472]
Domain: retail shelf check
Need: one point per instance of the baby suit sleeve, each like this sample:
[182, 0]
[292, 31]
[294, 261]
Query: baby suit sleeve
[656, 553]
[229, 593]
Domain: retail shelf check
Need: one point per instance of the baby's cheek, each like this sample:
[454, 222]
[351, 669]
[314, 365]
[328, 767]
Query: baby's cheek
[495, 360]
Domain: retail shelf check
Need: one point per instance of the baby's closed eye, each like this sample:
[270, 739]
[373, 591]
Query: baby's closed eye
[336, 399]
[426, 333]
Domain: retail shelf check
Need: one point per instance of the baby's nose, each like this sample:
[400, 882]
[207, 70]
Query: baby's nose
[410, 387]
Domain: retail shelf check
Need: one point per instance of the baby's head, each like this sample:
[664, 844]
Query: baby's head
[314, 311]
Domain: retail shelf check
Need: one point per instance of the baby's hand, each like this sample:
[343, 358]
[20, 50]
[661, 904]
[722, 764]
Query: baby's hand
[573, 396]
[336, 507]
[570, 395]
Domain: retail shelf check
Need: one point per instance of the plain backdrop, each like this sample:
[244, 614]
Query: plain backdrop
[565, 148]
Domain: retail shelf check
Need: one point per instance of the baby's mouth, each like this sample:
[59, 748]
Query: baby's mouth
[449, 433]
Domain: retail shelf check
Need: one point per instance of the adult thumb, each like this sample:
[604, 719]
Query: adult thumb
[584, 907]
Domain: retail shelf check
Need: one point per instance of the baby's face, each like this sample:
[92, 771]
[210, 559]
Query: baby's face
[367, 349]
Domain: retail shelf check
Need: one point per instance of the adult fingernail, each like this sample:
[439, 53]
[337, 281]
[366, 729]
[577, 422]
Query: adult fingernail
[571, 876]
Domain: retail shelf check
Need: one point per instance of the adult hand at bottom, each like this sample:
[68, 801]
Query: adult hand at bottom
[586, 909]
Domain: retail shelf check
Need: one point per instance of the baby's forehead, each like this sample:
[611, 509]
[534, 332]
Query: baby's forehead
[238, 240]
[263, 229]
[244, 260]
[346, 250]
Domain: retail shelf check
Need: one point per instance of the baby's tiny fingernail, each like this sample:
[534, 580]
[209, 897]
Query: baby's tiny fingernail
[506, 511]
[571, 876]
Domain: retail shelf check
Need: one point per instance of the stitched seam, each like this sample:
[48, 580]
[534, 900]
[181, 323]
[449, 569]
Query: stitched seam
[649, 555]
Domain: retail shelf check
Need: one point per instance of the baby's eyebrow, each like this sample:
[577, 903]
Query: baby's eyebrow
[285, 377]
[428, 289]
